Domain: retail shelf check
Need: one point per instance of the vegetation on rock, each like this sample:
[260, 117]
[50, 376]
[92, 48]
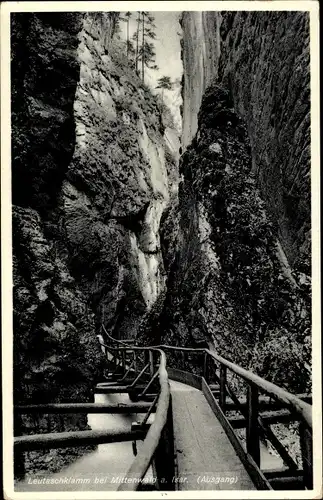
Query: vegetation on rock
[227, 281]
[80, 148]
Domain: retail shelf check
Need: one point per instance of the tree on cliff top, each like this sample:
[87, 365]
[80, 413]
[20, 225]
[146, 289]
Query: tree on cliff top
[164, 83]
[126, 18]
[144, 51]
[147, 56]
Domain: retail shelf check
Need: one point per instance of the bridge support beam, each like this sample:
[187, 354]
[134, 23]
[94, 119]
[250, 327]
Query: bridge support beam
[205, 367]
[270, 417]
[19, 458]
[223, 383]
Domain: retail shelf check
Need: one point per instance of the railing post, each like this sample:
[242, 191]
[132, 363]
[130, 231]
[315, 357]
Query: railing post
[135, 361]
[123, 358]
[205, 367]
[223, 382]
[252, 431]
[146, 357]
[117, 361]
[306, 444]
[183, 360]
[151, 363]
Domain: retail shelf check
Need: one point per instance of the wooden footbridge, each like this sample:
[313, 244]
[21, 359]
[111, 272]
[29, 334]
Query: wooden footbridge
[205, 430]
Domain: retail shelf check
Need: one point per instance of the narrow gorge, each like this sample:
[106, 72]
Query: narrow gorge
[191, 237]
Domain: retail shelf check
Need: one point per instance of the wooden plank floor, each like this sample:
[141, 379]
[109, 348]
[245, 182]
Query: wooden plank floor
[205, 457]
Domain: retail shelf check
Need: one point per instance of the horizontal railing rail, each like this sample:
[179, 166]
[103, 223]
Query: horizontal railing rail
[74, 438]
[302, 408]
[82, 408]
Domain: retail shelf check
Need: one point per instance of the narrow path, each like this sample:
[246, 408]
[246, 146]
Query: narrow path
[206, 460]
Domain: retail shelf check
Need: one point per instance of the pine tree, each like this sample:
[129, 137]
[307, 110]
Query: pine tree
[136, 35]
[164, 83]
[130, 52]
[143, 14]
[147, 52]
[127, 19]
[147, 56]
[116, 17]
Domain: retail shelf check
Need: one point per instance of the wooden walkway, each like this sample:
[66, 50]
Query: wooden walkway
[206, 460]
[186, 448]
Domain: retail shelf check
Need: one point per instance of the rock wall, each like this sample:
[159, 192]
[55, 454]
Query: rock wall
[200, 57]
[241, 274]
[263, 58]
[227, 284]
[92, 175]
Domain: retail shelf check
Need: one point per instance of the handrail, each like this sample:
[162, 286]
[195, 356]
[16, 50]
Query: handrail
[150, 449]
[254, 423]
[143, 459]
[118, 341]
[303, 409]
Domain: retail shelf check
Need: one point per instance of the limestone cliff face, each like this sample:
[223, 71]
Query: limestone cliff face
[240, 277]
[92, 177]
[200, 57]
[227, 283]
[118, 184]
[263, 59]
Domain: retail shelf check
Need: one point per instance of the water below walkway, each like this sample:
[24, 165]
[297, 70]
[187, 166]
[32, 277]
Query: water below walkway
[101, 470]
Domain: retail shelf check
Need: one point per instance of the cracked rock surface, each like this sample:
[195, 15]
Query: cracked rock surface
[92, 176]
[229, 283]
[263, 58]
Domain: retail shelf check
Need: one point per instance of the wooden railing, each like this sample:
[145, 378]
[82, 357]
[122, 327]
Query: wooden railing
[241, 400]
[140, 372]
[157, 447]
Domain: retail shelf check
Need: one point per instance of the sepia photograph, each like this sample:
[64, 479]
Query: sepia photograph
[160, 250]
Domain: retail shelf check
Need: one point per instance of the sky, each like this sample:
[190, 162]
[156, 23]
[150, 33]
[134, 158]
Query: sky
[168, 51]
[168, 54]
